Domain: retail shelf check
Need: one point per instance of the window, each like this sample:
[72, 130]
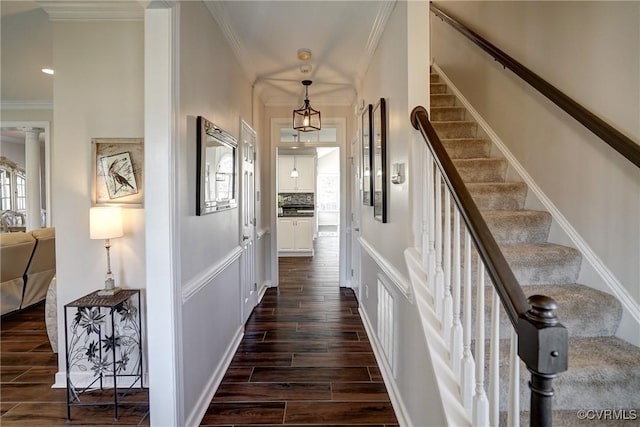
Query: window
[21, 192]
[5, 184]
[329, 192]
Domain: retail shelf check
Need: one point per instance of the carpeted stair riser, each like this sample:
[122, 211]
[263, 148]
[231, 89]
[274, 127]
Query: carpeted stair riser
[575, 302]
[442, 100]
[434, 77]
[487, 169]
[447, 114]
[438, 88]
[498, 196]
[545, 263]
[467, 148]
[459, 129]
[522, 226]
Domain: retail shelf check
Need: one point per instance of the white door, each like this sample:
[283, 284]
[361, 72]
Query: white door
[249, 285]
[356, 198]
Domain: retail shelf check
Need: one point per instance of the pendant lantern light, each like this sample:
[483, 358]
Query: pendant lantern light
[305, 118]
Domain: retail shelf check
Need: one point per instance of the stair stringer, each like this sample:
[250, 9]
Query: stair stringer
[593, 271]
[448, 386]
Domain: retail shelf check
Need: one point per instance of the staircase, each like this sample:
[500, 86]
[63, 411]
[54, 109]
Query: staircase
[604, 371]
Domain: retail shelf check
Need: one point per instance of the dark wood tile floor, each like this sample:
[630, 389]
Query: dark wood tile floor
[305, 358]
[27, 369]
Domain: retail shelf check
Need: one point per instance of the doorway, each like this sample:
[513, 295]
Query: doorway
[328, 194]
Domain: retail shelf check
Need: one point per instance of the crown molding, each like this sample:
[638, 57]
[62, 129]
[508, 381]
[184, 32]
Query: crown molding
[68, 10]
[36, 104]
[384, 12]
[219, 13]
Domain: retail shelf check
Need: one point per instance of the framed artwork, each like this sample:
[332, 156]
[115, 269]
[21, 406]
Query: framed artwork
[367, 176]
[118, 172]
[379, 138]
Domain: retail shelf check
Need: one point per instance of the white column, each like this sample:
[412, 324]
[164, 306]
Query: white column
[32, 161]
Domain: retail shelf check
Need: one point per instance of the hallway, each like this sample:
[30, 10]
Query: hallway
[305, 357]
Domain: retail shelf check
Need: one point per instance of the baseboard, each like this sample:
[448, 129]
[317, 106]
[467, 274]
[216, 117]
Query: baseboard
[207, 394]
[612, 284]
[392, 388]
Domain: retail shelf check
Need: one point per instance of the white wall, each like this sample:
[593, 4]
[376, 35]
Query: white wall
[591, 51]
[399, 73]
[211, 85]
[98, 93]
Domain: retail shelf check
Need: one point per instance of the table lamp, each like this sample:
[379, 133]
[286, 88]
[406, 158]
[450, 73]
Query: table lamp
[106, 223]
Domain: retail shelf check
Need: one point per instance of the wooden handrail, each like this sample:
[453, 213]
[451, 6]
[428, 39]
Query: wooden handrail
[509, 291]
[619, 142]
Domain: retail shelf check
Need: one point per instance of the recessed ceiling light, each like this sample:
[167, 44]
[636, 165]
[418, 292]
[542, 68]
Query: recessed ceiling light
[47, 71]
[304, 54]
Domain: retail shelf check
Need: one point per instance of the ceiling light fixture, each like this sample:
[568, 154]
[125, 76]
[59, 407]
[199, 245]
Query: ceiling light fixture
[305, 118]
[306, 68]
[304, 54]
[47, 71]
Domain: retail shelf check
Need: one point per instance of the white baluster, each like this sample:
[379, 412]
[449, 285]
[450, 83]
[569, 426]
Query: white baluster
[480, 402]
[513, 412]
[431, 270]
[468, 365]
[494, 360]
[425, 209]
[456, 333]
[447, 303]
[439, 294]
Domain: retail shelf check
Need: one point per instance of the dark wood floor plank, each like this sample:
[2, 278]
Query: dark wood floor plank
[337, 336]
[293, 374]
[339, 412]
[333, 359]
[236, 375]
[360, 392]
[253, 413]
[262, 359]
[55, 414]
[272, 392]
[283, 347]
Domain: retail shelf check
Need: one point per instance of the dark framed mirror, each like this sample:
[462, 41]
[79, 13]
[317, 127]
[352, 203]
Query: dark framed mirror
[367, 166]
[216, 166]
[379, 137]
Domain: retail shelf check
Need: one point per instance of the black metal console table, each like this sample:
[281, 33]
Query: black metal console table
[104, 346]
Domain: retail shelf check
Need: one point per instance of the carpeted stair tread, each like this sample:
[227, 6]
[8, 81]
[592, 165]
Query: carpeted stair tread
[456, 129]
[498, 195]
[447, 114]
[467, 148]
[575, 304]
[438, 88]
[434, 77]
[485, 169]
[604, 373]
[584, 311]
[543, 263]
[520, 226]
[442, 100]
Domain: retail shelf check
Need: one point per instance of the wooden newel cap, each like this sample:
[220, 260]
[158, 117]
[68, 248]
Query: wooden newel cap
[542, 310]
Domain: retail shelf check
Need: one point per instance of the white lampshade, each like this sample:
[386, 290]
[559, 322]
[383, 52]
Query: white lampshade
[105, 223]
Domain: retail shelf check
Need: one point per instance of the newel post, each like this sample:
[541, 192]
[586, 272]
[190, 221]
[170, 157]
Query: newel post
[543, 347]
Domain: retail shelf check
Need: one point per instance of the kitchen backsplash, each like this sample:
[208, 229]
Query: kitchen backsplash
[297, 198]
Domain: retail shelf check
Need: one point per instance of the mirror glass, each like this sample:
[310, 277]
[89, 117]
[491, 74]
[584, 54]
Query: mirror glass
[216, 180]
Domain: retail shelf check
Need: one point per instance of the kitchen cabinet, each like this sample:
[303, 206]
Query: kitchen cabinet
[306, 180]
[295, 236]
